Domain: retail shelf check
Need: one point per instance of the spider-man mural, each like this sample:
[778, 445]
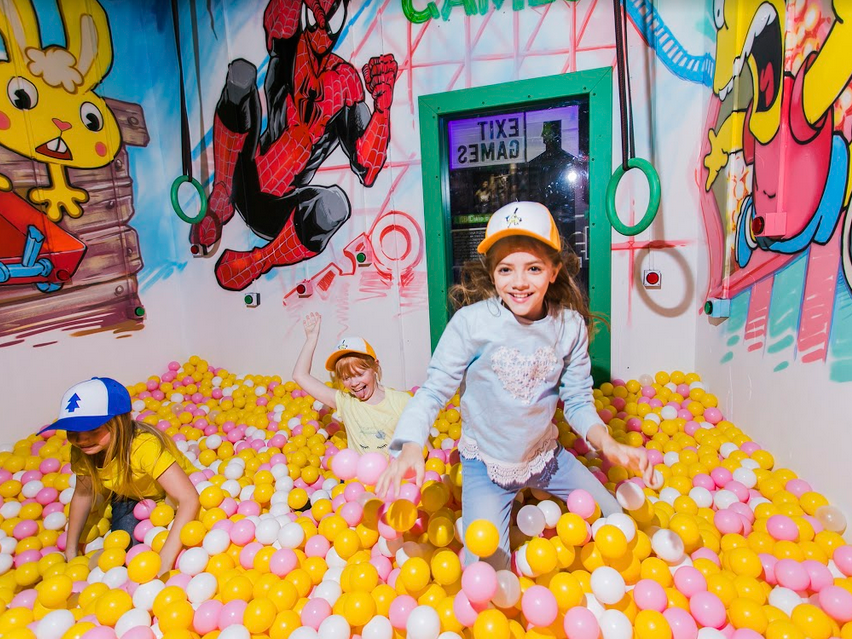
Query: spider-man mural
[315, 102]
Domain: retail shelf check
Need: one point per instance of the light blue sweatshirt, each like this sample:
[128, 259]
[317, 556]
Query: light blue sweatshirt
[511, 374]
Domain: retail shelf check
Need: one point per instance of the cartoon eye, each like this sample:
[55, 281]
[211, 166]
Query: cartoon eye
[719, 13]
[308, 19]
[91, 117]
[336, 18]
[22, 93]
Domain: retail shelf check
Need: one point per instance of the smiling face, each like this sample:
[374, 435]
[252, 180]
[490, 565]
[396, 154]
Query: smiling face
[91, 442]
[522, 274]
[752, 31]
[358, 378]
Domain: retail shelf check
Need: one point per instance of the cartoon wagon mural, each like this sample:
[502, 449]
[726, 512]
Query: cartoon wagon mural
[61, 156]
[315, 103]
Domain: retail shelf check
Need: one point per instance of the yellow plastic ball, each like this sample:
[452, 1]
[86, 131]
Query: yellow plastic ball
[481, 538]
[491, 624]
[54, 592]
[611, 542]
[651, 624]
[111, 606]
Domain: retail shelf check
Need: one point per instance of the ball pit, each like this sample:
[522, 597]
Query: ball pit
[291, 542]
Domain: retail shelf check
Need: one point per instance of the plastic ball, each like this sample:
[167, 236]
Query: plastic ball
[539, 606]
[614, 624]
[423, 623]
[832, 518]
[377, 628]
[708, 610]
[481, 538]
[630, 496]
[55, 624]
[530, 521]
[479, 582]
[580, 502]
[581, 623]
[491, 624]
[651, 624]
[649, 595]
[607, 585]
[369, 467]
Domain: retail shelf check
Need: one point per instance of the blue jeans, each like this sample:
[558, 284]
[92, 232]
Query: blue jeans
[123, 517]
[483, 499]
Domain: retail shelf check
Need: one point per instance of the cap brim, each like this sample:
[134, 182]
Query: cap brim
[336, 355]
[77, 424]
[489, 241]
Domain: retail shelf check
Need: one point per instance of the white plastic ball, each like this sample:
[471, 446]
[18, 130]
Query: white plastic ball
[724, 499]
[630, 496]
[669, 494]
[423, 623]
[668, 546]
[702, 497]
[784, 599]
[668, 412]
[145, 594]
[671, 458]
[115, 577]
[607, 585]
[378, 628]
[267, 531]
[614, 624]
[201, 588]
[302, 632]
[327, 589]
[133, 618]
[232, 487]
[238, 631]
[727, 448]
[55, 624]
[55, 521]
[746, 477]
[624, 523]
[334, 627]
[31, 488]
[193, 561]
[216, 541]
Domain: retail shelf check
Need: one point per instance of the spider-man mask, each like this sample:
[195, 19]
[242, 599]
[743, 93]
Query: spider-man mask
[322, 22]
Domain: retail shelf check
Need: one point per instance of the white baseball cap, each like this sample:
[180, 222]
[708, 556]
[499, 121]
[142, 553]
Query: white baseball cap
[90, 404]
[349, 346]
[529, 219]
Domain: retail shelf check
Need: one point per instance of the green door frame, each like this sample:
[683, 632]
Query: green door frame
[596, 86]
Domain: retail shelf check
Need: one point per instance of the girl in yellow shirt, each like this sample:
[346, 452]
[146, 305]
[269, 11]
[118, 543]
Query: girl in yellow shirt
[126, 459]
[369, 409]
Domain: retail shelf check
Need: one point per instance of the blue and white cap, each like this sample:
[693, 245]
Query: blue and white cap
[90, 404]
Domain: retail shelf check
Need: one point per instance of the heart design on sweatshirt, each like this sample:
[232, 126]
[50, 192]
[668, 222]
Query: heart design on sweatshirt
[522, 374]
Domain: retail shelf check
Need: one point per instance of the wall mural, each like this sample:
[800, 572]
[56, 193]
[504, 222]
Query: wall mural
[778, 132]
[62, 157]
[315, 102]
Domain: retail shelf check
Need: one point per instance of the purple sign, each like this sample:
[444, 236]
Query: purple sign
[488, 141]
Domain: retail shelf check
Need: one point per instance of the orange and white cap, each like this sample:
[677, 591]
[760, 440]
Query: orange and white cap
[348, 346]
[529, 219]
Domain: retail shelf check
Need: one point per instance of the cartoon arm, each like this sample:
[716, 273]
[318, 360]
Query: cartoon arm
[832, 69]
[365, 136]
[728, 140]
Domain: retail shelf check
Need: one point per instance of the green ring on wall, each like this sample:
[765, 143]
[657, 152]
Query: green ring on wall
[202, 210]
[653, 197]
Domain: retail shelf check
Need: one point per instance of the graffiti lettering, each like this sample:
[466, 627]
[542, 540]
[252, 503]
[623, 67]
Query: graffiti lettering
[471, 7]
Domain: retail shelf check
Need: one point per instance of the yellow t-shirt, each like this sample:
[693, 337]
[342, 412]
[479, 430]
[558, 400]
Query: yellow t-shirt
[149, 461]
[369, 427]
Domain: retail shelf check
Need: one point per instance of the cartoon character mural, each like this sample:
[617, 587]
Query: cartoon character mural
[53, 114]
[798, 160]
[315, 103]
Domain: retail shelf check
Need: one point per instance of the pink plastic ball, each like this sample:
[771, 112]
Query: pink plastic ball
[745, 633]
[283, 562]
[768, 562]
[581, 623]
[24, 599]
[248, 508]
[837, 603]
[689, 581]
[345, 464]
[819, 575]
[409, 492]
[713, 415]
[782, 528]
[649, 595]
[727, 522]
[242, 532]
[232, 613]
[791, 574]
[139, 632]
[143, 509]
[479, 582]
[401, 608]
[721, 476]
[581, 503]
[315, 612]
[703, 480]
[100, 632]
[843, 559]
[249, 552]
[352, 512]
[370, 467]
[463, 610]
[317, 546]
[25, 528]
[708, 610]
[206, 617]
[539, 605]
[681, 622]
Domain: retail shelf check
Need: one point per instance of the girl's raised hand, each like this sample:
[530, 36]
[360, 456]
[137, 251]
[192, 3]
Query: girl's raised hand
[312, 323]
[635, 459]
[409, 459]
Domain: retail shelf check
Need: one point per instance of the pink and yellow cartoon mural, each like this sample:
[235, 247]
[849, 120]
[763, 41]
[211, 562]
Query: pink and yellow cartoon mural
[315, 102]
[62, 155]
[779, 122]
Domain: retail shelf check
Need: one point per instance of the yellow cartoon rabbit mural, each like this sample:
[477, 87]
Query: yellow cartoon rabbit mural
[48, 109]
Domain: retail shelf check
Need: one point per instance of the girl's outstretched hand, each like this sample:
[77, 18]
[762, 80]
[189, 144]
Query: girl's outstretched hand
[635, 459]
[312, 323]
[409, 459]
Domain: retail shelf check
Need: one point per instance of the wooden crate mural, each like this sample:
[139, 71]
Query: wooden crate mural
[103, 292]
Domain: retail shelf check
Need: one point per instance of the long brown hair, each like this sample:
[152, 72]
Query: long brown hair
[122, 431]
[477, 280]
